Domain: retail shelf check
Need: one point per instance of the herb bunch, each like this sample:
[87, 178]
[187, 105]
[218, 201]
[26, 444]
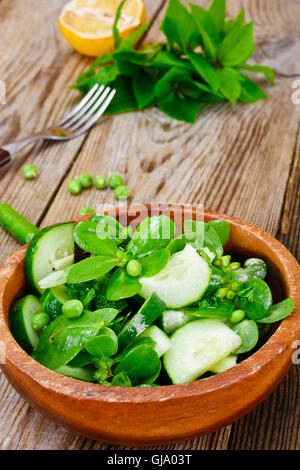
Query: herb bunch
[203, 61]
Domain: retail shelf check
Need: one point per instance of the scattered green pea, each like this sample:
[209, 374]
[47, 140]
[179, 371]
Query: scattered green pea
[122, 192]
[39, 321]
[86, 210]
[74, 187]
[100, 182]
[85, 180]
[115, 180]
[134, 268]
[29, 171]
[72, 309]
[237, 316]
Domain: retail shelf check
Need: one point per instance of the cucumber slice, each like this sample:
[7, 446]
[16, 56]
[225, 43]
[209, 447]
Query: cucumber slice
[53, 299]
[53, 246]
[225, 364]
[174, 319]
[198, 346]
[80, 373]
[20, 322]
[151, 309]
[182, 282]
[163, 342]
[54, 279]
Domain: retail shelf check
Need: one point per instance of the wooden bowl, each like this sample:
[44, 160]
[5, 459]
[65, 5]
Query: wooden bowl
[166, 414]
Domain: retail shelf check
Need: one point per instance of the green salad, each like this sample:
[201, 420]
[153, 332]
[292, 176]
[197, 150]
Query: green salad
[141, 308]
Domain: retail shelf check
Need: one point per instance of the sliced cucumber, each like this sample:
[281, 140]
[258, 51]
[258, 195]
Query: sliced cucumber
[54, 279]
[20, 321]
[225, 364]
[182, 282]
[53, 299]
[174, 319]
[53, 247]
[198, 346]
[80, 373]
[163, 342]
[151, 309]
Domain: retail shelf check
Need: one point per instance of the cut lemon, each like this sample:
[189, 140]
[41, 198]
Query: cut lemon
[87, 25]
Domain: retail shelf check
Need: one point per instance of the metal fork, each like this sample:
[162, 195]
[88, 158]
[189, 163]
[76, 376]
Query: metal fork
[78, 121]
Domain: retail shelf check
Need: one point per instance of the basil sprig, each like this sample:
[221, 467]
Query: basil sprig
[175, 76]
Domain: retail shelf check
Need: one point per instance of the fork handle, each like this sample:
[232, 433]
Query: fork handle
[5, 158]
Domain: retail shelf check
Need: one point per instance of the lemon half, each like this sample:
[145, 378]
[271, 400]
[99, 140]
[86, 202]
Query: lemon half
[87, 25]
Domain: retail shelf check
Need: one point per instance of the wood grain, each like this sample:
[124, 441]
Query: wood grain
[240, 161]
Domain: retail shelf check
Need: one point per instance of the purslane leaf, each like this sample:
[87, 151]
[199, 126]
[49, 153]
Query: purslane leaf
[122, 286]
[91, 268]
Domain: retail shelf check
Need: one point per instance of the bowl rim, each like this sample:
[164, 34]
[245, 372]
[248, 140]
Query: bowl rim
[284, 336]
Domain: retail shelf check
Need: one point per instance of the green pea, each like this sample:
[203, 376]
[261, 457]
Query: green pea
[86, 210]
[134, 268]
[85, 180]
[221, 293]
[72, 309]
[226, 260]
[74, 187]
[39, 320]
[29, 171]
[235, 285]
[100, 182]
[122, 192]
[115, 180]
[235, 265]
[237, 316]
[230, 295]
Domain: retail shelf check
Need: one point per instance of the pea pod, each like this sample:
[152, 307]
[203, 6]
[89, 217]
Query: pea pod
[16, 225]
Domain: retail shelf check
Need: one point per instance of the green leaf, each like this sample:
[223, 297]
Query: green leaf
[186, 110]
[121, 380]
[107, 227]
[117, 39]
[231, 25]
[212, 240]
[179, 26]
[254, 268]
[139, 363]
[152, 234]
[249, 334]
[250, 92]
[230, 84]
[269, 73]
[122, 286]
[177, 83]
[86, 237]
[279, 311]
[217, 11]
[177, 244]
[236, 48]
[205, 70]
[256, 299]
[128, 43]
[166, 59]
[63, 339]
[91, 268]
[222, 227]
[143, 87]
[207, 29]
[155, 262]
[125, 99]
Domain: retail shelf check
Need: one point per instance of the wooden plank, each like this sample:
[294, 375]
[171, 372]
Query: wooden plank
[278, 417]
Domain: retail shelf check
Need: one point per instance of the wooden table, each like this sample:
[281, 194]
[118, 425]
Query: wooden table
[242, 161]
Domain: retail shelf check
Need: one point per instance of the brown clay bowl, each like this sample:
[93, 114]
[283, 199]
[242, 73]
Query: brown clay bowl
[164, 414]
